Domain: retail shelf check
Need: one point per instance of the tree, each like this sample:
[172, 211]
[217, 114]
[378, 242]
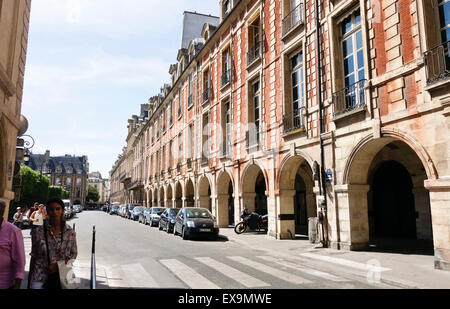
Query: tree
[92, 194]
[34, 186]
[59, 192]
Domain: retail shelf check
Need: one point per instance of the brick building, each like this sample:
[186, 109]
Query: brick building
[242, 123]
[14, 24]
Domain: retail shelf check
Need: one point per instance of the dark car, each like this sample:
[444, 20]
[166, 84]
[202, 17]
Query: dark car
[114, 210]
[167, 220]
[191, 222]
[135, 214]
[144, 215]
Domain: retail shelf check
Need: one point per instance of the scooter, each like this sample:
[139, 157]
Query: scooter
[253, 221]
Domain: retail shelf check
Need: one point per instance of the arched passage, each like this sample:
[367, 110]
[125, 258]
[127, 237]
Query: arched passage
[162, 197]
[225, 199]
[388, 204]
[204, 193]
[178, 195]
[296, 196]
[254, 187]
[189, 194]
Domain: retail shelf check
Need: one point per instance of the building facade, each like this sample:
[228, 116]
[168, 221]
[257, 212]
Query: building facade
[14, 24]
[68, 172]
[95, 179]
[298, 108]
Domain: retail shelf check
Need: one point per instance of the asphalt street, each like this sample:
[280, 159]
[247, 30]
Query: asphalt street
[136, 256]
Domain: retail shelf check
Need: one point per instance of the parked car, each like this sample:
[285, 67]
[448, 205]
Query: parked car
[135, 214]
[154, 215]
[77, 208]
[68, 213]
[130, 210]
[191, 222]
[143, 216]
[104, 208]
[168, 218]
[114, 210]
[123, 211]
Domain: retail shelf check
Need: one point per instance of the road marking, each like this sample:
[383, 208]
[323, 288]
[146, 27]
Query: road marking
[137, 277]
[270, 270]
[189, 276]
[310, 271]
[233, 273]
[344, 262]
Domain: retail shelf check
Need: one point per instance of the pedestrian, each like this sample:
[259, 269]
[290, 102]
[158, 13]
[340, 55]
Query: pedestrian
[12, 253]
[18, 218]
[37, 218]
[54, 242]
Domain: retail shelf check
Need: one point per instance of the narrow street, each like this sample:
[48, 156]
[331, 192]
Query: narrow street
[132, 255]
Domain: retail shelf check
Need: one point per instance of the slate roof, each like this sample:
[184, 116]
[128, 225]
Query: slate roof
[67, 164]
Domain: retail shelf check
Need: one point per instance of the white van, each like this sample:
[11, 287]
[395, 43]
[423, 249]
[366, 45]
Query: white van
[67, 209]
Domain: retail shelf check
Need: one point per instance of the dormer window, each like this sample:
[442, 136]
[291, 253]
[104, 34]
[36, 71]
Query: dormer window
[226, 7]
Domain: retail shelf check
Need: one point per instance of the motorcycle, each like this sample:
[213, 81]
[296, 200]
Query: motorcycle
[253, 221]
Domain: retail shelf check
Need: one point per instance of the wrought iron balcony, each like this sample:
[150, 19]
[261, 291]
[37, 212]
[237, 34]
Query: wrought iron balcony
[437, 62]
[294, 121]
[293, 19]
[206, 95]
[226, 77]
[254, 54]
[349, 99]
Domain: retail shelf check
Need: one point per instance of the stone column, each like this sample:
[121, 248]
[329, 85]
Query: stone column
[422, 206]
[440, 216]
[285, 207]
[353, 216]
[222, 210]
[248, 200]
[205, 202]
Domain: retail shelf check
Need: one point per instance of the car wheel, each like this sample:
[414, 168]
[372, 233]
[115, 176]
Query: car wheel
[184, 235]
[168, 228]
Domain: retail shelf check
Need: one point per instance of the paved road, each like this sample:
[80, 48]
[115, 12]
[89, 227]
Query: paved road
[133, 255]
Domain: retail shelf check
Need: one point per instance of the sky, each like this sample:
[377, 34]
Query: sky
[91, 64]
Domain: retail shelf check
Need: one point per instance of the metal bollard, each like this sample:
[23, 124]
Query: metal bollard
[93, 267]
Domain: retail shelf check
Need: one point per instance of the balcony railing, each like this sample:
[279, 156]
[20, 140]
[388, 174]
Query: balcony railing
[349, 99]
[294, 121]
[254, 54]
[437, 62]
[226, 77]
[206, 95]
[293, 19]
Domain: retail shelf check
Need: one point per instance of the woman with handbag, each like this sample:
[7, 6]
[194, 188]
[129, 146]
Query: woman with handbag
[54, 242]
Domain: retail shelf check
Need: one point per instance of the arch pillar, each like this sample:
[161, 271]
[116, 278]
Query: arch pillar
[440, 214]
[286, 199]
[248, 199]
[353, 216]
[222, 210]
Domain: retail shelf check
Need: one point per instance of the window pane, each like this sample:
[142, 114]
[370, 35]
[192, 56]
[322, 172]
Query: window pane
[359, 40]
[445, 35]
[295, 78]
[444, 14]
[346, 25]
[350, 80]
[360, 60]
[348, 66]
[348, 47]
[361, 75]
[357, 18]
[294, 61]
[295, 94]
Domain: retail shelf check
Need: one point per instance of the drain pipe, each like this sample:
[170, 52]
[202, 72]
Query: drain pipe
[321, 124]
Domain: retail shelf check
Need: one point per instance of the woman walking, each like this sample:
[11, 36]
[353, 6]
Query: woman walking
[37, 218]
[54, 241]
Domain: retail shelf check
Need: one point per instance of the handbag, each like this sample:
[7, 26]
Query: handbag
[53, 282]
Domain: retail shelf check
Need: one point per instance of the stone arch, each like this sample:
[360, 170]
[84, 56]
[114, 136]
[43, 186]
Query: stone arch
[162, 197]
[254, 178]
[296, 195]
[225, 200]
[178, 195]
[204, 193]
[189, 193]
[370, 160]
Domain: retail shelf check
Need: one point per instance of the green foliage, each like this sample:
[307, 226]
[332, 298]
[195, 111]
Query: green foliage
[34, 186]
[59, 192]
[92, 194]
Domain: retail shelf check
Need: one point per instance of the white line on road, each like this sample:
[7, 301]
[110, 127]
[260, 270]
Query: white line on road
[345, 262]
[233, 273]
[270, 270]
[188, 275]
[312, 272]
[137, 277]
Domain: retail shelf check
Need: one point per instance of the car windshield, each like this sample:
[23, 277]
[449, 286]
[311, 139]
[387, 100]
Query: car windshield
[132, 207]
[115, 207]
[137, 209]
[158, 210]
[198, 213]
[174, 212]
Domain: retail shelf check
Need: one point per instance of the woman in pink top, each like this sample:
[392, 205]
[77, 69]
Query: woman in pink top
[12, 254]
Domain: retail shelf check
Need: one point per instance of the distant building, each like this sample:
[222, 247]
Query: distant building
[69, 172]
[102, 186]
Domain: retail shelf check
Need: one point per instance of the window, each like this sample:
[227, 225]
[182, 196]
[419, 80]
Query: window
[226, 7]
[254, 43]
[444, 20]
[297, 83]
[226, 67]
[256, 109]
[180, 147]
[58, 181]
[352, 49]
[228, 127]
[78, 182]
[206, 86]
[69, 182]
[191, 90]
